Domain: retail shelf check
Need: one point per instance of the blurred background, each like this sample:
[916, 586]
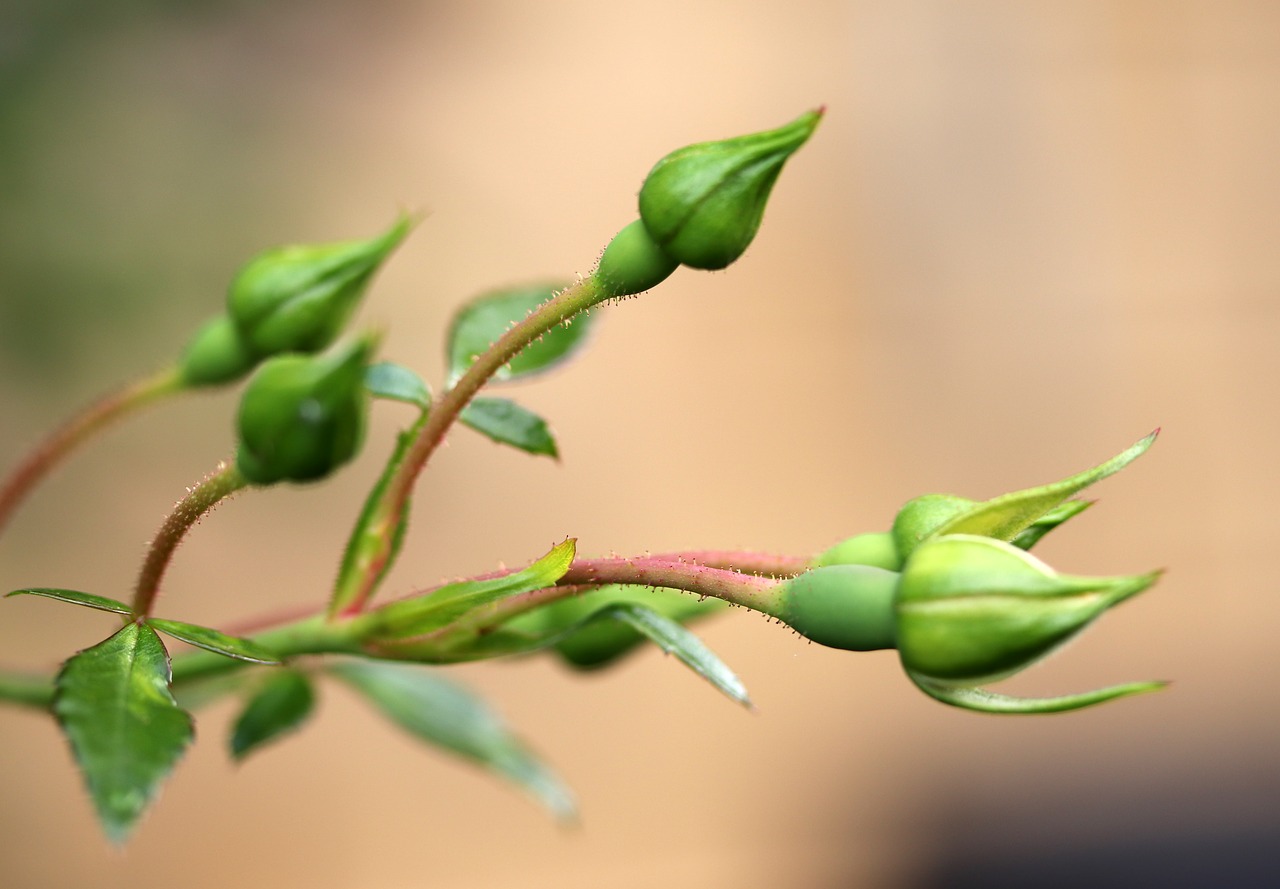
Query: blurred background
[1024, 236]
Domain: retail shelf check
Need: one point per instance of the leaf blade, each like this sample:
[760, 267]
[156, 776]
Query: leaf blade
[416, 617]
[215, 640]
[448, 716]
[506, 422]
[279, 706]
[75, 597]
[479, 324]
[395, 382]
[126, 731]
[981, 700]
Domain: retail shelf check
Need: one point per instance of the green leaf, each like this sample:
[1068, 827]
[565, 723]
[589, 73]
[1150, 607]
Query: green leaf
[447, 715]
[521, 636]
[372, 528]
[126, 730]
[600, 643]
[1007, 516]
[479, 323]
[215, 641]
[981, 700]
[417, 616]
[75, 597]
[508, 423]
[278, 706]
[396, 382]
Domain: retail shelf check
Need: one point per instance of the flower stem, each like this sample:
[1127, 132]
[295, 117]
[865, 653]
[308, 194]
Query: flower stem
[223, 482]
[49, 453]
[445, 410]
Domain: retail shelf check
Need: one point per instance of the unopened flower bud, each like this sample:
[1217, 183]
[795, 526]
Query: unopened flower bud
[972, 609]
[298, 298]
[215, 355]
[703, 203]
[303, 416]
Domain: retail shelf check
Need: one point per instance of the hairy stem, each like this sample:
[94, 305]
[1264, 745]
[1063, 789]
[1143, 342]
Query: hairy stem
[224, 481]
[445, 410]
[49, 453]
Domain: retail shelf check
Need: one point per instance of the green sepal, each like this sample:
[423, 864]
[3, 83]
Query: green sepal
[216, 355]
[983, 701]
[479, 324]
[278, 706]
[373, 526]
[1052, 519]
[1006, 516]
[423, 614]
[395, 382]
[126, 731]
[506, 422]
[214, 640]
[75, 597]
[446, 715]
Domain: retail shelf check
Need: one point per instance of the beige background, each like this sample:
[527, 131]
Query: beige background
[1026, 234]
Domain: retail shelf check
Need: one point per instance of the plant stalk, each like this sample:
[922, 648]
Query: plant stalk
[42, 459]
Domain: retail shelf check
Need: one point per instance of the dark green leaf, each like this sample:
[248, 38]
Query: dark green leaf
[479, 323]
[279, 706]
[508, 423]
[447, 715]
[397, 383]
[125, 729]
[215, 641]
[75, 597]
[372, 528]
[417, 616]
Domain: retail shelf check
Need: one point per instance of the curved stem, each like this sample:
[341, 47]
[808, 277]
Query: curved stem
[50, 452]
[445, 410]
[224, 481]
[315, 634]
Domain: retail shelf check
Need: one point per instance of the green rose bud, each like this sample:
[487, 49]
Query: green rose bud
[703, 203]
[303, 416]
[216, 355]
[633, 262]
[972, 610]
[297, 299]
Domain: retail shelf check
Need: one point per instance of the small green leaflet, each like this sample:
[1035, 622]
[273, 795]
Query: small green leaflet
[215, 641]
[666, 633]
[479, 324]
[508, 423]
[371, 529]
[447, 715]
[278, 706]
[396, 382]
[126, 730]
[421, 615]
[981, 700]
[75, 597]
[1006, 516]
